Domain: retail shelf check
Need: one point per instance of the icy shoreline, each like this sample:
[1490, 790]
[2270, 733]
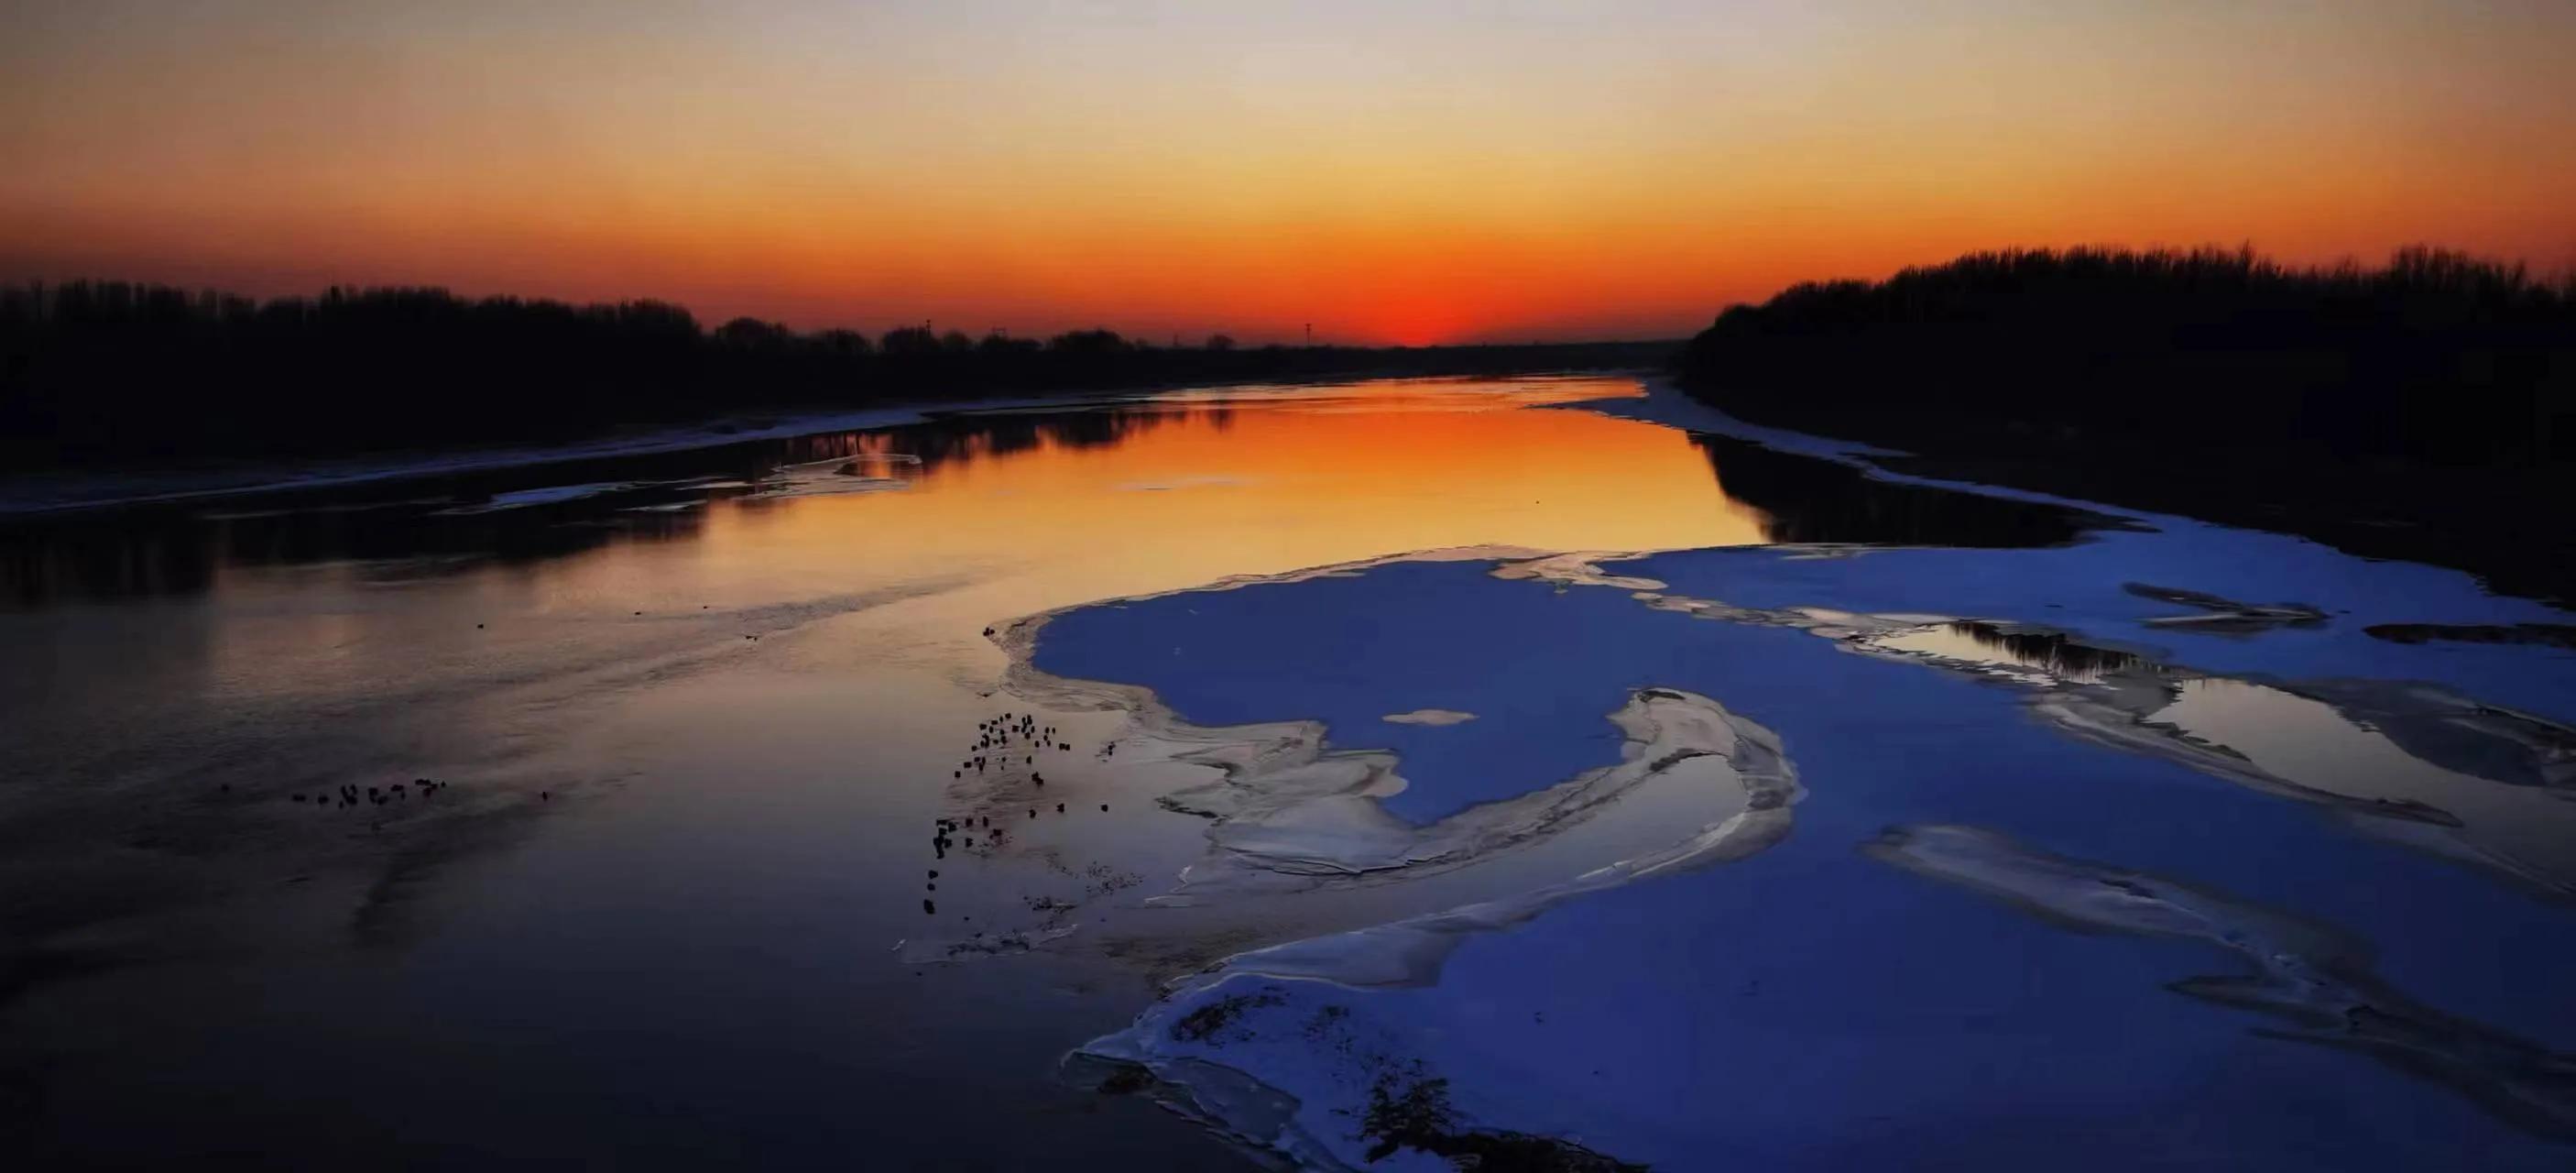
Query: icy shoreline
[1302, 1056]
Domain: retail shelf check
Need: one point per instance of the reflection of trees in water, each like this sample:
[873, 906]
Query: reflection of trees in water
[2049, 650]
[86, 562]
[165, 553]
[130, 554]
[1088, 429]
[1811, 500]
[963, 439]
[145, 553]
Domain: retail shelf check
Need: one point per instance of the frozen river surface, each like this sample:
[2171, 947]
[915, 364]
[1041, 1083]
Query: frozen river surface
[1537, 773]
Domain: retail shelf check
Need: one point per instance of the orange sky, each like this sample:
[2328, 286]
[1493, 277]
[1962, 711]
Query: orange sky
[1434, 170]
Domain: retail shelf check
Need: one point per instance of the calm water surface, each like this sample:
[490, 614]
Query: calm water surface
[1956, 829]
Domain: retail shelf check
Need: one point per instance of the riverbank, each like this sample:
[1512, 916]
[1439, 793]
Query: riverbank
[61, 491]
[2411, 411]
[2477, 519]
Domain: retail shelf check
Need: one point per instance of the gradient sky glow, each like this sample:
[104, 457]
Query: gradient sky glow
[1391, 170]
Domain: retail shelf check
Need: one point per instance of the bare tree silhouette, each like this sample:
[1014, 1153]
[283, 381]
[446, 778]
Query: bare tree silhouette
[116, 371]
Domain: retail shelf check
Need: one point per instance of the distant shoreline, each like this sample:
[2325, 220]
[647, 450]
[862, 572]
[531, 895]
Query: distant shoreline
[59, 491]
[99, 374]
[56, 492]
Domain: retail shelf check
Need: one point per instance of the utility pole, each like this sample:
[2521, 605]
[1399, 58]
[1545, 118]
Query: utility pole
[1310, 335]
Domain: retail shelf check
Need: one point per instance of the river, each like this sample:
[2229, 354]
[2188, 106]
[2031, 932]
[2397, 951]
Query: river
[1378, 775]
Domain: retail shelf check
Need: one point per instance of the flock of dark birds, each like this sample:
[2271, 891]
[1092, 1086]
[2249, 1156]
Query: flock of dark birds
[1005, 741]
[348, 795]
[999, 742]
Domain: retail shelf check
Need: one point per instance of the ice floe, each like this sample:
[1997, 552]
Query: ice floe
[548, 495]
[2483, 785]
[1315, 1049]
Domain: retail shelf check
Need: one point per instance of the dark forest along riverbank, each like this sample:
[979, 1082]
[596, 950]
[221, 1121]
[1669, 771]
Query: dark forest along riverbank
[2392, 411]
[1392, 769]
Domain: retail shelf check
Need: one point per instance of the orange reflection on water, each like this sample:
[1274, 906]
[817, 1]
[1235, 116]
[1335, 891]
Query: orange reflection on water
[1184, 490]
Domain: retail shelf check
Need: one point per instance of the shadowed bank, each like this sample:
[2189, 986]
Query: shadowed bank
[2418, 411]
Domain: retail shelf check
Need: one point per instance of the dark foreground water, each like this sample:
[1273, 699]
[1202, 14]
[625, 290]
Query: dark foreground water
[1392, 776]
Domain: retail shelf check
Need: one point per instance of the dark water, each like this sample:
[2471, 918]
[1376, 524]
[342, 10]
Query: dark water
[701, 715]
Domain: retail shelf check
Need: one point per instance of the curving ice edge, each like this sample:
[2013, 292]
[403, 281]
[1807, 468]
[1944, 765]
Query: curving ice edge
[1673, 738]
[2314, 977]
[1284, 805]
[2468, 781]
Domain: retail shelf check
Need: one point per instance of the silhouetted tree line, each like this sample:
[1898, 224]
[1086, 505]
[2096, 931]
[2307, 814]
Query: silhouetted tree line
[2437, 357]
[114, 370]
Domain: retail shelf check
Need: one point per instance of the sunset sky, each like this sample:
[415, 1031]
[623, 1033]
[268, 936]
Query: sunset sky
[1390, 170]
